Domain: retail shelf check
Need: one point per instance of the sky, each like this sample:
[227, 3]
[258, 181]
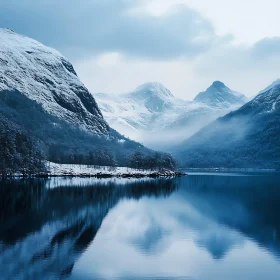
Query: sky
[116, 45]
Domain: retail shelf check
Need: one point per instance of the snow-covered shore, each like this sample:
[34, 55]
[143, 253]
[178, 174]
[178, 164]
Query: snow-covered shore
[54, 169]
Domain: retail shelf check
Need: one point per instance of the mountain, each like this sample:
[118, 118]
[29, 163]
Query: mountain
[153, 115]
[220, 96]
[41, 93]
[247, 137]
[42, 74]
[134, 112]
[154, 96]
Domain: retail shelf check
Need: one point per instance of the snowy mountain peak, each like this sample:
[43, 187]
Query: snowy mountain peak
[154, 96]
[219, 95]
[218, 85]
[155, 88]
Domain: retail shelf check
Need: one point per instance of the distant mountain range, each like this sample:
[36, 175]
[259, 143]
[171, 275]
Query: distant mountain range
[41, 93]
[153, 115]
[247, 137]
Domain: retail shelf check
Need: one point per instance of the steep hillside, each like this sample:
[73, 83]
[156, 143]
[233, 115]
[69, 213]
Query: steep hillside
[42, 74]
[41, 93]
[247, 137]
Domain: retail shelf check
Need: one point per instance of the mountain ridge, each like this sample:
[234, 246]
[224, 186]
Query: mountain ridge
[31, 68]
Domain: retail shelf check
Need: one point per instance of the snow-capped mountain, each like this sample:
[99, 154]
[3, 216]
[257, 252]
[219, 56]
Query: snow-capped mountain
[42, 74]
[247, 137]
[41, 94]
[135, 112]
[153, 115]
[220, 96]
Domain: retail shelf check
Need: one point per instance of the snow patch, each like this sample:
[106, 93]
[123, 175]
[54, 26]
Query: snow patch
[55, 169]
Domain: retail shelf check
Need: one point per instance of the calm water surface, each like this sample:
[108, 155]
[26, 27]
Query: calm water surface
[218, 226]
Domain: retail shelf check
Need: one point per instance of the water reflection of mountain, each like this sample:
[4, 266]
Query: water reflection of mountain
[44, 230]
[249, 205]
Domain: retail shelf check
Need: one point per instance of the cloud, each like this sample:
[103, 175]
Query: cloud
[246, 68]
[267, 47]
[123, 42]
[110, 26]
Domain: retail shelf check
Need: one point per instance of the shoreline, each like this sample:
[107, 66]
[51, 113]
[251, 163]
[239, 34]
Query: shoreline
[75, 170]
[104, 175]
[88, 171]
[100, 176]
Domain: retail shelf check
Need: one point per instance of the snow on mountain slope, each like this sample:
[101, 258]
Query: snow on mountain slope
[152, 115]
[45, 76]
[268, 100]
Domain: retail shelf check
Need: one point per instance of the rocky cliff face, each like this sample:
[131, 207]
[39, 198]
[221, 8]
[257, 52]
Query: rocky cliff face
[42, 74]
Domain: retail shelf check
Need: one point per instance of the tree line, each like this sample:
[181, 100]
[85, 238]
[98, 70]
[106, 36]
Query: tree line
[101, 156]
[18, 151]
[154, 160]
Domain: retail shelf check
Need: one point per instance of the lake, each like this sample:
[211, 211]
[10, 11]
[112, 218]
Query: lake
[199, 227]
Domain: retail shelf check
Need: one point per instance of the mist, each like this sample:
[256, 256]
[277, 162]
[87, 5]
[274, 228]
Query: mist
[174, 134]
[219, 144]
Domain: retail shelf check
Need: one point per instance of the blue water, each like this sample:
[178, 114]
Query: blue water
[203, 226]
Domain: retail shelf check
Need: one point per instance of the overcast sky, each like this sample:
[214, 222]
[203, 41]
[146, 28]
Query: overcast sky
[116, 45]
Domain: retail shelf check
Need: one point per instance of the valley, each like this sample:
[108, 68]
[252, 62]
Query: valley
[48, 114]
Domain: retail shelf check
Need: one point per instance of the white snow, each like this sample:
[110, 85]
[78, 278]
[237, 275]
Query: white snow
[56, 169]
[152, 110]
